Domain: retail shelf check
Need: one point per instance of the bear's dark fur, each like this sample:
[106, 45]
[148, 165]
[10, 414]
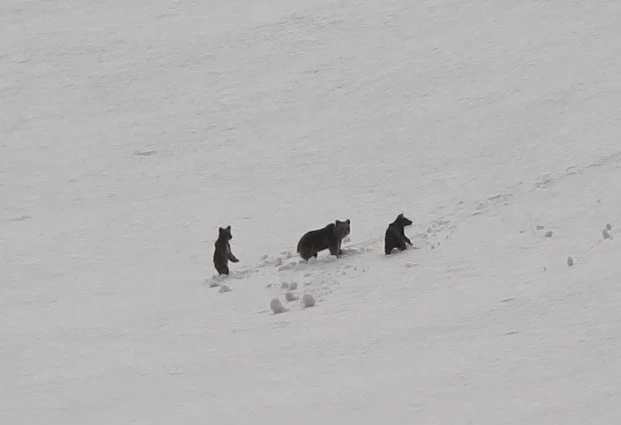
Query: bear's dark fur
[342, 230]
[330, 237]
[222, 254]
[395, 235]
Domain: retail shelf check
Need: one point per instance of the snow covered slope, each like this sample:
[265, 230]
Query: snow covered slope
[131, 130]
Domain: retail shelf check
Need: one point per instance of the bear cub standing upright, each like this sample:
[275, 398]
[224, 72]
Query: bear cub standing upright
[222, 254]
[330, 237]
[395, 235]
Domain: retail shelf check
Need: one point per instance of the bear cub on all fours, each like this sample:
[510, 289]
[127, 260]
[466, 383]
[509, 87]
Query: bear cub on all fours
[329, 237]
[222, 253]
[395, 235]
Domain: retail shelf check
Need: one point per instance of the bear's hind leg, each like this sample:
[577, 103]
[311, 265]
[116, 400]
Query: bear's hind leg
[222, 268]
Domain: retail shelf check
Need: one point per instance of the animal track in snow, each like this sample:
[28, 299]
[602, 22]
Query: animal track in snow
[492, 201]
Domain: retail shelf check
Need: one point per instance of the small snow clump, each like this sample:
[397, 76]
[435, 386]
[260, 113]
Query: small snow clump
[277, 306]
[308, 300]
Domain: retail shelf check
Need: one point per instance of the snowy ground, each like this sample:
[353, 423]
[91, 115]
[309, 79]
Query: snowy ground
[131, 130]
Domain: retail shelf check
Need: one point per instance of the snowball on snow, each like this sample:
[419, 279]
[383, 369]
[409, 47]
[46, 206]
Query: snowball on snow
[308, 300]
[277, 306]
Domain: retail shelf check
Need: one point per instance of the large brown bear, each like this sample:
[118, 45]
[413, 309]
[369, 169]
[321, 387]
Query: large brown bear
[329, 237]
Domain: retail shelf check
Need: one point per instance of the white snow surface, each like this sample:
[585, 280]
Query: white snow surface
[131, 130]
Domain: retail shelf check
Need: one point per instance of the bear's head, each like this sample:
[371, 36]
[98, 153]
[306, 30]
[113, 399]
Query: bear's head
[403, 221]
[225, 234]
[342, 228]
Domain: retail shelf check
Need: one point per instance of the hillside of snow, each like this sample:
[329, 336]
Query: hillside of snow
[131, 130]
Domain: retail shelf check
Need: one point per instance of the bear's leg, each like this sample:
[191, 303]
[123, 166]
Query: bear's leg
[307, 254]
[222, 268]
[389, 243]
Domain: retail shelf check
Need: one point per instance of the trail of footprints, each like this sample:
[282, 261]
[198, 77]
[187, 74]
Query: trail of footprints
[295, 280]
[297, 284]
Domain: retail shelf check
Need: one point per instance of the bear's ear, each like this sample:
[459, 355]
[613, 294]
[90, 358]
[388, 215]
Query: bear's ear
[220, 229]
[400, 215]
[347, 221]
[228, 228]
